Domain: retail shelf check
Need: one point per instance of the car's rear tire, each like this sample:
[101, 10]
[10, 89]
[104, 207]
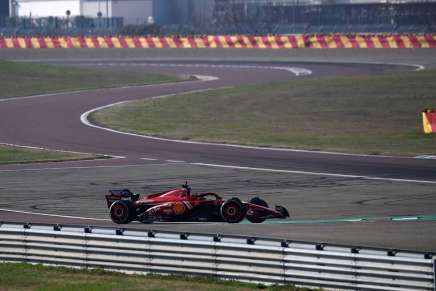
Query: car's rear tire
[233, 211]
[260, 202]
[122, 211]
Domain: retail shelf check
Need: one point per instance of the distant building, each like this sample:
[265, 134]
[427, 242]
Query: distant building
[133, 11]
[183, 11]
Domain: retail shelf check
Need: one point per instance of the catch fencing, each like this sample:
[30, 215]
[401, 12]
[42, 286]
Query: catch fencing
[259, 260]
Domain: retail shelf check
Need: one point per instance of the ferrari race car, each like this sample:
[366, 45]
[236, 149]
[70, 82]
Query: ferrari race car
[180, 205]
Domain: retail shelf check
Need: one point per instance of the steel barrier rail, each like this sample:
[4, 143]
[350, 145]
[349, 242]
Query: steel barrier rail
[267, 261]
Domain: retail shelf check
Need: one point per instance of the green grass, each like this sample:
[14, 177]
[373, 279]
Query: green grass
[20, 79]
[13, 155]
[36, 277]
[378, 114]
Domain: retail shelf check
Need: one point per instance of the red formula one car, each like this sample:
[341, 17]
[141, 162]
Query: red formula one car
[180, 205]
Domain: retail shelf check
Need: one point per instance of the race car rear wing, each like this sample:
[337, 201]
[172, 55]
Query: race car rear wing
[123, 194]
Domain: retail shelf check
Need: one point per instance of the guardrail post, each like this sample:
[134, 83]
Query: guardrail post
[216, 240]
[434, 275]
[85, 245]
[26, 227]
[284, 244]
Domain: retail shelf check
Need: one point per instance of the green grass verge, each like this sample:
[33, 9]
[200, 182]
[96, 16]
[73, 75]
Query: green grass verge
[377, 114]
[37, 277]
[20, 79]
[15, 155]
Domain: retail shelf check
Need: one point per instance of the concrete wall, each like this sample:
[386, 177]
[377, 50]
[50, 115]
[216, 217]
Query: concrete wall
[91, 8]
[133, 11]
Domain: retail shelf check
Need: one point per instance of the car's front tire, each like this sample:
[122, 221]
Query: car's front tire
[260, 202]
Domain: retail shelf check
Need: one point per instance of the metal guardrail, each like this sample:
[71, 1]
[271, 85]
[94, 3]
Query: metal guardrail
[333, 267]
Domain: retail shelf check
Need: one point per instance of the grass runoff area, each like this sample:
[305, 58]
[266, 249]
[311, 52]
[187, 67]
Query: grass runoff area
[36, 277]
[375, 114]
[15, 155]
[20, 79]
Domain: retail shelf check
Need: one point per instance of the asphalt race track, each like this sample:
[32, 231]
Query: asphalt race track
[361, 200]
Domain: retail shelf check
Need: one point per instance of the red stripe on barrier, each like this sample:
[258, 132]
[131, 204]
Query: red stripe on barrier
[164, 42]
[136, 42]
[191, 42]
[217, 41]
[252, 41]
[399, 41]
[266, 42]
[82, 42]
[177, 42]
[368, 41]
[293, 41]
[414, 41]
[28, 42]
[430, 40]
[307, 42]
[42, 43]
[150, 42]
[279, 41]
[95, 42]
[228, 42]
[69, 42]
[383, 41]
[338, 41]
[123, 42]
[2, 42]
[56, 43]
[321, 40]
[353, 41]
[108, 41]
[238, 41]
[206, 41]
[15, 42]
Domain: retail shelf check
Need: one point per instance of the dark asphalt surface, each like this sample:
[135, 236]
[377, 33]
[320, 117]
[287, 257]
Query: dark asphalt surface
[54, 122]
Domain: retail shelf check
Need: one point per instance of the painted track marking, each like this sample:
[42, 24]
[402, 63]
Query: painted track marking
[200, 78]
[316, 173]
[297, 71]
[58, 150]
[100, 219]
[429, 217]
[80, 167]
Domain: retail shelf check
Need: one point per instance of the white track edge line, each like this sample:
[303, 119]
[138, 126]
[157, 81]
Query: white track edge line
[80, 167]
[200, 78]
[315, 173]
[53, 215]
[58, 150]
[97, 219]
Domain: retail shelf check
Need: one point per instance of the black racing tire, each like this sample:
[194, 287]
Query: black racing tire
[260, 202]
[122, 211]
[233, 211]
